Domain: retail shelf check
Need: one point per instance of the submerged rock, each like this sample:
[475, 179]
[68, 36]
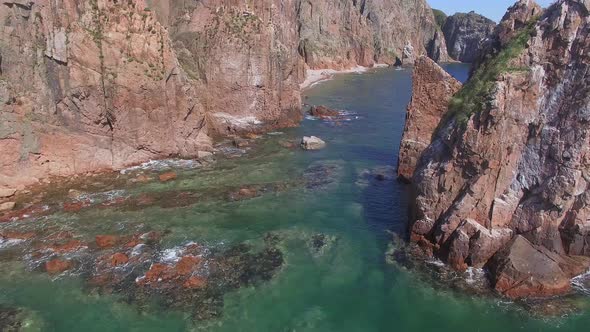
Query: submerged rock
[322, 111]
[56, 266]
[312, 143]
[320, 175]
[168, 176]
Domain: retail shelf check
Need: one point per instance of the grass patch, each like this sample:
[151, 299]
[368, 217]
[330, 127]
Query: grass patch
[476, 94]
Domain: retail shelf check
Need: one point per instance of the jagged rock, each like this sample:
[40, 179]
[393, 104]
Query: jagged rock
[513, 153]
[312, 143]
[433, 88]
[466, 35]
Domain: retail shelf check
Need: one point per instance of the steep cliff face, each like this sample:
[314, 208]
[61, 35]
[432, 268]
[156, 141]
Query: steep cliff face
[507, 173]
[466, 35]
[101, 84]
[433, 89]
[343, 34]
[244, 53]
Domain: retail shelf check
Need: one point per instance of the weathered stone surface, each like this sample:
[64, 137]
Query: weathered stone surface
[344, 34]
[7, 206]
[516, 159]
[433, 88]
[523, 269]
[4, 193]
[312, 143]
[466, 35]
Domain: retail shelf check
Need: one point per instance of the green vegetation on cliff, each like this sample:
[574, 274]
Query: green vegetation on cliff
[440, 17]
[477, 92]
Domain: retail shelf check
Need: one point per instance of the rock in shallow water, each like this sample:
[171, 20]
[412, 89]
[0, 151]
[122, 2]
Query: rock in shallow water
[322, 112]
[312, 143]
[524, 269]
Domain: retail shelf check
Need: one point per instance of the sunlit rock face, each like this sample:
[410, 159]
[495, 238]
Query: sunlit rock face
[511, 159]
[103, 84]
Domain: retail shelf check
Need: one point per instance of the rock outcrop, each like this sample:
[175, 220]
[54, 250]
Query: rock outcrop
[466, 35]
[103, 84]
[433, 89]
[512, 157]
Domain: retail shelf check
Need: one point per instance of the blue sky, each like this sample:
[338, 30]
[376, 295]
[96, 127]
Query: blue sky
[493, 9]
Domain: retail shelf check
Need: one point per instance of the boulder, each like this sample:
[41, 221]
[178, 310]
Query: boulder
[526, 270]
[7, 206]
[312, 143]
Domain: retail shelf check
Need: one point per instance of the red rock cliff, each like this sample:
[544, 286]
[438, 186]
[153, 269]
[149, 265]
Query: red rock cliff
[344, 34]
[507, 175]
[433, 89]
[103, 84]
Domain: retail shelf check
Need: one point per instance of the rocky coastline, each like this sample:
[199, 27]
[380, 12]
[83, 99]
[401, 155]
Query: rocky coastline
[501, 183]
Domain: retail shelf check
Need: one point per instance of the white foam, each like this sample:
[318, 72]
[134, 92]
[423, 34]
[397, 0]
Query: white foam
[582, 283]
[473, 275]
[171, 255]
[436, 262]
[5, 243]
[158, 165]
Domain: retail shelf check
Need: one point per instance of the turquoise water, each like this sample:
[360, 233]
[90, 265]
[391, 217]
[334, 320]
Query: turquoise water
[344, 283]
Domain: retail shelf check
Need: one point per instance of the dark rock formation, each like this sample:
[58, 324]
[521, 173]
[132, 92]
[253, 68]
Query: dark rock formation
[433, 88]
[466, 35]
[511, 157]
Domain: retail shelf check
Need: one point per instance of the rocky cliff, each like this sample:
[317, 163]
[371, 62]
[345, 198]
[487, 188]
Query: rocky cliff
[466, 34]
[103, 84]
[432, 89]
[505, 181]
[343, 34]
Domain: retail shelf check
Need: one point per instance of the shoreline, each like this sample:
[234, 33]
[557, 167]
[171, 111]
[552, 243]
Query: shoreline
[316, 76]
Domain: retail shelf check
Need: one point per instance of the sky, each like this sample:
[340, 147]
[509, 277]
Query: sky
[493, 9]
